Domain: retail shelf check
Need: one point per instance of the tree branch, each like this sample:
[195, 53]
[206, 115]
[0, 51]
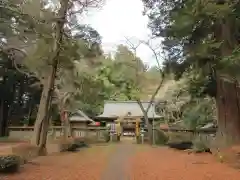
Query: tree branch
[154, 94]
[161, 73]
[9, 50]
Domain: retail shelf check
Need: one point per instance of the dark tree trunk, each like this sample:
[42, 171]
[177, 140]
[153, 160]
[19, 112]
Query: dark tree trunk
[30, 110]
[6, 100]
[228, 106]
[227, 99]
[2, 118]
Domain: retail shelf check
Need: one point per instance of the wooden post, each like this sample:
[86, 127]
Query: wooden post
[142, 137]
[111, 136]
[137, 132]
[137, 127]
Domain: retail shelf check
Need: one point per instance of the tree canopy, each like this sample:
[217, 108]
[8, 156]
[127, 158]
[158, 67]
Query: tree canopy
[199, 36]
[85, 77]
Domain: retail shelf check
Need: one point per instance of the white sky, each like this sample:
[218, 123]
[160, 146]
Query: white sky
[119, 19]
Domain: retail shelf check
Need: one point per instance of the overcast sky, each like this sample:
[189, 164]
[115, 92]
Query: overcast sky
[119, 19]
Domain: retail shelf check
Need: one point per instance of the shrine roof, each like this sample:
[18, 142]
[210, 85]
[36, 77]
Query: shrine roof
[115, 109]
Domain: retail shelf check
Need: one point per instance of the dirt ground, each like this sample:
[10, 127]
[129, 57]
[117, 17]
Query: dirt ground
[126, 161]
[167, 164]
[7, 146]
[87, 164]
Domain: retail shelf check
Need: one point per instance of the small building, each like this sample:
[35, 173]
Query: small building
[129, 109]
[79, 119]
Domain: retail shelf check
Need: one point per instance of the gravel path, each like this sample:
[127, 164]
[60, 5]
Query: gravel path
[117, 165]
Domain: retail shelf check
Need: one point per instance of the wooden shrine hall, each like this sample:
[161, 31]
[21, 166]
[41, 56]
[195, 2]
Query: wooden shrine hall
[126, 113]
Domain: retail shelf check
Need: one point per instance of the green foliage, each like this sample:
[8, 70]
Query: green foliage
[191, 32]
[77, 49]
[198, 112]
[199, 36]
[70, 144]
[178, 137]
[231, 62]
[125, 76]
[106, 135]
[9, 163]
[185, 105]
[200, 145]
[85, 77]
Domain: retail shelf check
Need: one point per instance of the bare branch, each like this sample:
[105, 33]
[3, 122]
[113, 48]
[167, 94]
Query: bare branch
[161, 73]
[132, 46]
[155, 54]
[83, 5]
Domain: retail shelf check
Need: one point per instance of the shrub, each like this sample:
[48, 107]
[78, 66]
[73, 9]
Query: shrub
[59, 145]
[160, 137]
[9, 163]
[178, 137]
[93, 140]
[200, 145]
[79, 143]
[25, 151]
[184, 145]
[67, 145]
[70, 144]
[106, 136]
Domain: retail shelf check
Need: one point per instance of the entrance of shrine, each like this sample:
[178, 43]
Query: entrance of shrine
[129, 126]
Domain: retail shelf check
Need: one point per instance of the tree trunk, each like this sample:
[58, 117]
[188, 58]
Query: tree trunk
[227, 100]
[1, 117]
[44, 134]
[145, 112]
[64, 120]
[30, 110]
[145, 115]
[4, 120]
[150, 130]
[228, 108]
[42, 117]
[66, 129]
[6, 103]
[41, 112]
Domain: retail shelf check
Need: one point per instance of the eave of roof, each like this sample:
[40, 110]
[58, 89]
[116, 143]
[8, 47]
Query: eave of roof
[116, 102]
[151, 117]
